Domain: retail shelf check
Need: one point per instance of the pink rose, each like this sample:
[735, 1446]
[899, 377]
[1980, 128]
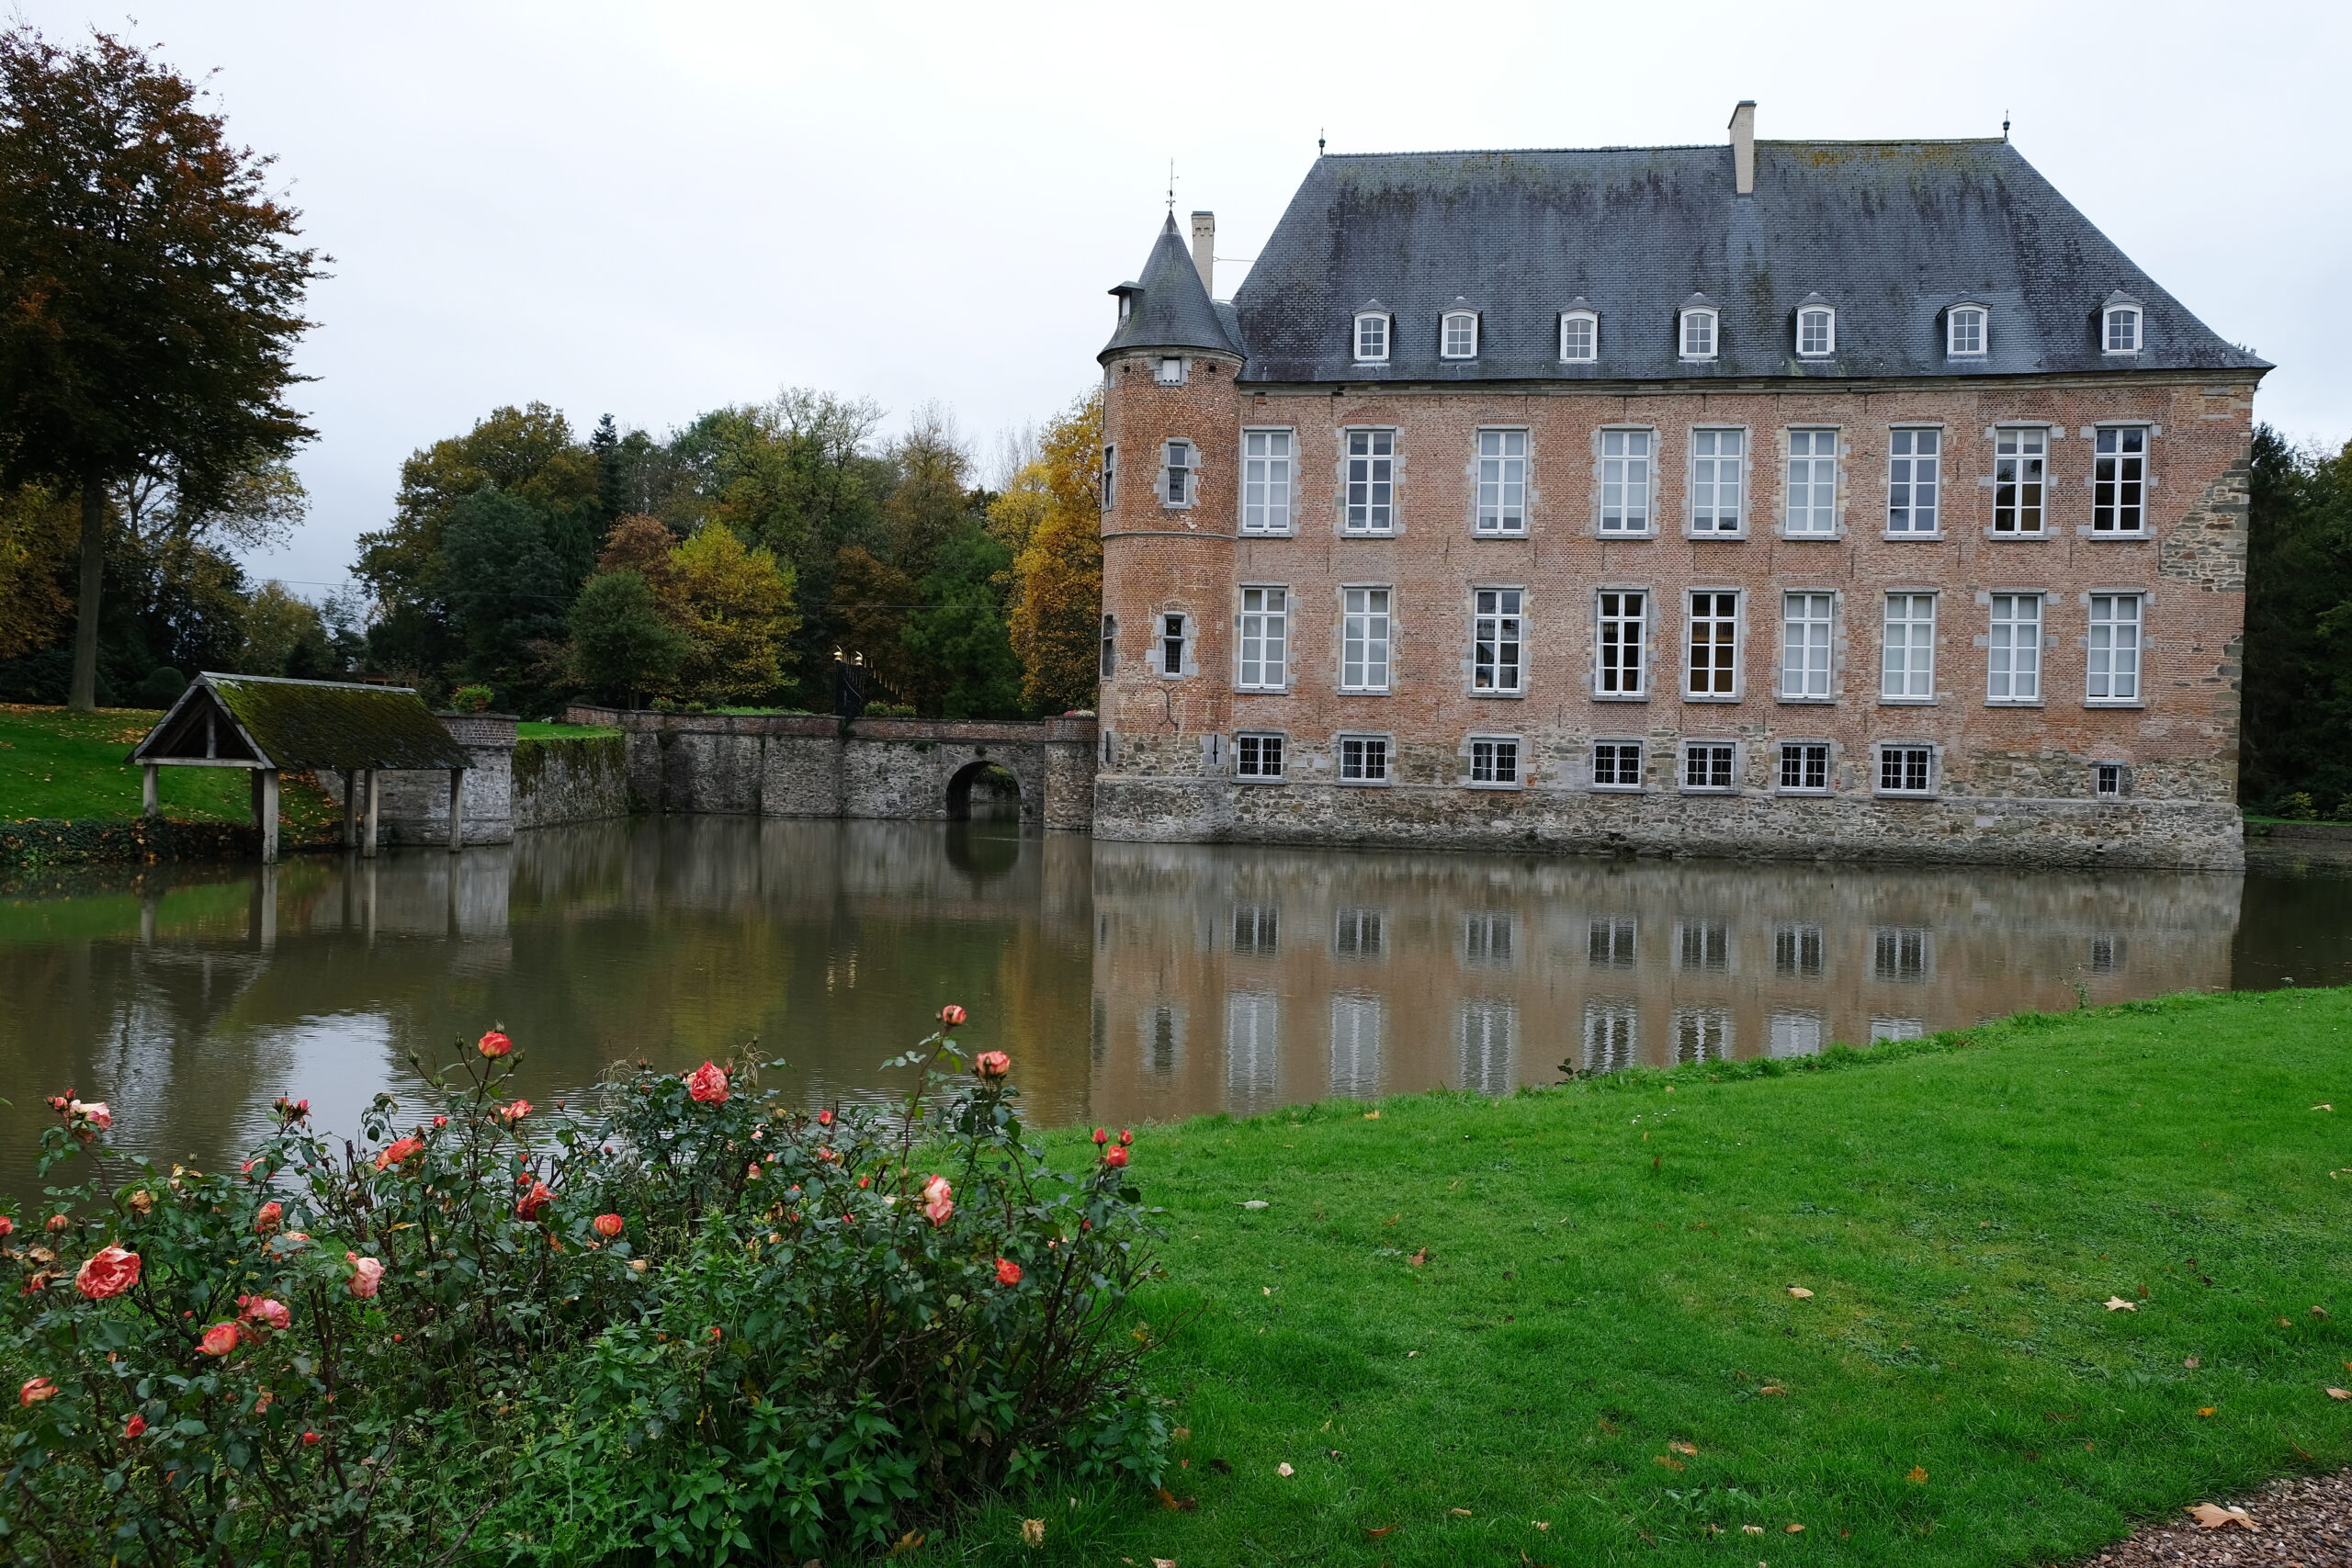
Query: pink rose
[707, 1084]
[938, 1199]
[219, 1340]
[7, 1227]
[951, 1016]
[268, 1219]
[265, 1311]
[1007, 1271]
[95, 1112]
[510, 1114]
[494, 1043]
[366, 1274]
[109, 1272]
[824, 1119]
[35, 1391]
[398, 1150]
[992, 1064]
[608, 1226]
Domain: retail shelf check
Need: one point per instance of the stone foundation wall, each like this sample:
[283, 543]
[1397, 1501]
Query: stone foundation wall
[415, 808]
[577, 778]
[2138, 832]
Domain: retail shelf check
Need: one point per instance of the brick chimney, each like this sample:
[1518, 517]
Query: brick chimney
[1205, 250]
[1743, 151]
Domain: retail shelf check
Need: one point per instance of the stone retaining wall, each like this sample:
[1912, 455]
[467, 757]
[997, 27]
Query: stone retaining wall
[570, 778]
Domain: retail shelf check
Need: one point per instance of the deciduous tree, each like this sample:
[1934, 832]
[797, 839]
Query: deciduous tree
[1053, 508]
[736, 610]
[621, 646]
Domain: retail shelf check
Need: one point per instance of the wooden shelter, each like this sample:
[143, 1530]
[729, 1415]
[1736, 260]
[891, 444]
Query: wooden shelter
[269, 725]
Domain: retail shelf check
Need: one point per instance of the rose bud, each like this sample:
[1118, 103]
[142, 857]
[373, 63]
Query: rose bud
[1115, 1156]
[992, 1064]
[951, 1016]
[494, 1044]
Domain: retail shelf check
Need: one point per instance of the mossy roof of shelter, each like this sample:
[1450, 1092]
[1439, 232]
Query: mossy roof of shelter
[308, 724]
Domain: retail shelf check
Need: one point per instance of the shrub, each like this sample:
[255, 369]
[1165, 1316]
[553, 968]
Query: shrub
[689, 1320]
[469, 699]
[161, 688]
[2299, 807]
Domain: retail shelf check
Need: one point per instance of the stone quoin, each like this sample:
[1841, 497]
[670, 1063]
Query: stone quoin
[1775, 498]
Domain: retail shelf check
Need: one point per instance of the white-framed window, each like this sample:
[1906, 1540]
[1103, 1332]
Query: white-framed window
[1494, 761]
[2119, 479]
[1884, 1028]
[1698, 332]
[2110, 781]
[1364, 639]
[1619, 643]
[1257, 930]
[1613, 942]
[1363, 759]
[1258, 756]
[1170, 372]
[2119, 331]
[1356, 1029]
[1711, 667]
[1617, 764]
[1360, 933]
[1495, 640]
[1718, 472]
[1795, 1034]
[2020, 471]
[1372, 337]
[1175, 641]
[1266, 482]
[2013, 649]
[1808, 628]
[1908, 648]
[1904, 954]
[1612, 1035]
[1710, 766]
[1253, 1053]
[1489, 940]
[1967, 331]
[1805, 767]
[1907, 769]
[1264, 641]
[1486, 1029]
[1800, 951]
[1703, 947]
[1109, 477]
[1458, 335]
[1703, 1035]
[1502, 481]
[1370, 482]
[2114, 647]
[1816, 331]
[1915, 475]
[1110, 662]
[1177, 471]
[1625, 481]
[1579, 336]
[1813, 483]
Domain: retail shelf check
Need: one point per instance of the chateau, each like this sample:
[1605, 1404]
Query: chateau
[1775, 498]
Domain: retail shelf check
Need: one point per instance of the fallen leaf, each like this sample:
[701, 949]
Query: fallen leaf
[1376, 1534]
[2339, 1393]
[1182, 1434]
[2322, 1312]
[2286, 1323]
[1418, 1258]
[1372, 1115]
[1033, 1532]
[1918, 1476]
[906, 1543]
[2211, 1518]
[2191, 1364]
[1163, 1562]
[2116, 1303]
[1609, 1426]
[1175, 1505]
[2322, 1106]
[2207, 1409]
[1267, 1289]
[1460, 1513]
[1771, 1388]
[1794, 1528]
[1751, 1529]
[1541, 1524]
[1671, 1462]
[1801, 1293]
[1678, 1446]
[1255, 1203]
[1285, 1469]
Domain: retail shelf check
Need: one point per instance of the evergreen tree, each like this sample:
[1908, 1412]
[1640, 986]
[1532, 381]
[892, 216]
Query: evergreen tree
[2296, 717]
[621, 647]
[507, 592]
[959, 637]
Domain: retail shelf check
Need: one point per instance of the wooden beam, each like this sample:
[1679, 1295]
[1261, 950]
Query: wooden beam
[267, 779]
[351, 808]
[149, 806]
[457, 810]
[368, 846]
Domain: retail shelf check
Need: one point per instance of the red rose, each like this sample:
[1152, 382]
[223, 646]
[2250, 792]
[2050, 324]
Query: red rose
[533, 1202]
[1126, 1137]
[109, 1272]
[494, 1044]
[439, 1122]
[1101, 1136]
[219, 1339]
[57, 1223]
[134, 1427]
[707, 1084]
[311, 1439]
[608, 1226]
[1008, 1272]
[824, 1119]
[992, 1064]
[398, 1150]
[1115, 1156]
[7, 1227]
[951, 1016]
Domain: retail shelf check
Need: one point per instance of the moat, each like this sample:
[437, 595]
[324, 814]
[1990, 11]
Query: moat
[1129, 981]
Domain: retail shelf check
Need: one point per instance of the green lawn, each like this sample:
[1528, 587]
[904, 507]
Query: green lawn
[1605, 1290]
[533, 730]
[58, 763]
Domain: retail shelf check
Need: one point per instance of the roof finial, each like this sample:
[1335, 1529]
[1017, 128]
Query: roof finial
[1319, 141]
[2005, 125]
[1171, 188]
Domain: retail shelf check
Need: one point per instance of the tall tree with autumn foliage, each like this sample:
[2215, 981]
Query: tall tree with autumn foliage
[1050, 516]
[151, 294]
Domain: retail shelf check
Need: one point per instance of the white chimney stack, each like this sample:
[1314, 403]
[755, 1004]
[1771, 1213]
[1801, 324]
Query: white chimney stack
[1743, 151]
[1204, 249]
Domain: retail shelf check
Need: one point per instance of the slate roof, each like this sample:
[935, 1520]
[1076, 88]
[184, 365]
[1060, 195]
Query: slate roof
[1170, 307]
[1889, 232]
[302, 724]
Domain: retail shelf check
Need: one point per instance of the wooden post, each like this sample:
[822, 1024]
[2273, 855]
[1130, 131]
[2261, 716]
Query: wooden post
[268, 782]
[149, 806]
[375, 802]
[457, 810]
[351, 808]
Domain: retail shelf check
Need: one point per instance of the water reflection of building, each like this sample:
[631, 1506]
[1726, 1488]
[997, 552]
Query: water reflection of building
[1250, 978]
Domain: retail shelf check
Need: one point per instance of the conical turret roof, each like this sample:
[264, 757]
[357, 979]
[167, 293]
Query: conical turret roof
[1169, 309]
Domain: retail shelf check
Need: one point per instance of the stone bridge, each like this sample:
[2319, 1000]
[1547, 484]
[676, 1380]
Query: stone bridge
[815, 766]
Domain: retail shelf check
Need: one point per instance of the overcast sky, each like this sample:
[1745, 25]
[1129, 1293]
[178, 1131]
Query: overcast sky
[653, 210]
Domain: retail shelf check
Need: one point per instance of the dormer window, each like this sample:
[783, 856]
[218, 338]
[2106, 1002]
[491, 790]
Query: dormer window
[1816, 331]
[1579, 336]
[1698, 332]
[1172, 371]
[1967, 331]
[2120, 325]
[1371, 336]
[1458, 336]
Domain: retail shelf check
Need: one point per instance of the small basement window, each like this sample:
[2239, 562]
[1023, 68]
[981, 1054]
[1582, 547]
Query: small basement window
[2113, 780]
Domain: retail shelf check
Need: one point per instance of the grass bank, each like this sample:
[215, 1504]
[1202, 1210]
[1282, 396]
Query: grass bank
[1461, 1321]
[536, 729]
[56, 764]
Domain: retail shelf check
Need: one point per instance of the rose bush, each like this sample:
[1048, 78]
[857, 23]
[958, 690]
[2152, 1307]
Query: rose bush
[685, 1320]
